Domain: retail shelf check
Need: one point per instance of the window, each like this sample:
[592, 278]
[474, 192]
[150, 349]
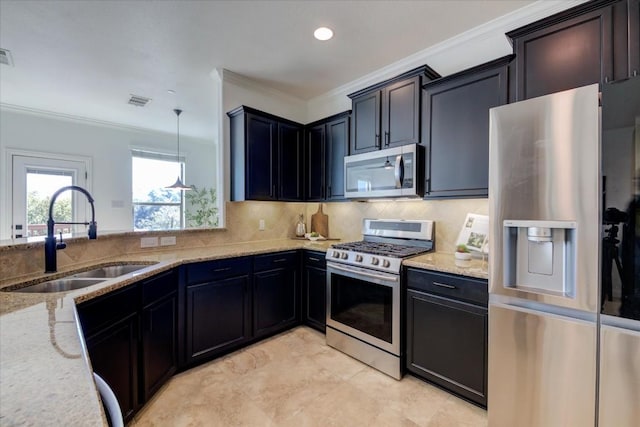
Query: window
[156, 207]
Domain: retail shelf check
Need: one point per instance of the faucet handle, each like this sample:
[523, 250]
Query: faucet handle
[61, 244]
[93, 230]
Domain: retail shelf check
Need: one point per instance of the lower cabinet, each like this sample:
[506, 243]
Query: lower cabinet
[218, 307]
[446, 328]
[159, 324]
[314, 293]
[131, 337]
[276, 290]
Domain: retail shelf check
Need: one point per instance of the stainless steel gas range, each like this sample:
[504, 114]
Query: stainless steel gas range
[364, 290]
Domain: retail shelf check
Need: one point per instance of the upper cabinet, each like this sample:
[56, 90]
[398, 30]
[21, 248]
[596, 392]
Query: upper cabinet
[634, 37]
[456, 129]
[326, 145]
[388, 114]
[266, 156]
[594, 42]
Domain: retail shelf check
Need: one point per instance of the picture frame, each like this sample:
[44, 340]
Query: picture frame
[475, 233]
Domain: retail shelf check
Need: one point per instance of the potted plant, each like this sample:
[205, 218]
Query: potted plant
[463, 256]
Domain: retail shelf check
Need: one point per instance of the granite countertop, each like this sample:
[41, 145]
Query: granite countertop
[445, 262]
[46, 373]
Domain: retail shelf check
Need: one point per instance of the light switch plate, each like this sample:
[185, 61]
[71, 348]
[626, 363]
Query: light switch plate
[148, 242]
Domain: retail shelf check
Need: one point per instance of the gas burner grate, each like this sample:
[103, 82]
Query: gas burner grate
[384, 249]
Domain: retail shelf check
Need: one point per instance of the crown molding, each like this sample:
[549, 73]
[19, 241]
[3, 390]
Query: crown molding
[228, 76]
[499, 26]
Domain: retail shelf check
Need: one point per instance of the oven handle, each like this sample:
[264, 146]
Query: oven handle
[363, 273]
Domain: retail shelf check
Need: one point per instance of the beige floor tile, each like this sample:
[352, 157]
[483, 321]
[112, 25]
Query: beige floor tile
[295, 379]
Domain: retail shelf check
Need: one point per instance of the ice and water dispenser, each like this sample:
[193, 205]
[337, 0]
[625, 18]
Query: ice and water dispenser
[539, 256]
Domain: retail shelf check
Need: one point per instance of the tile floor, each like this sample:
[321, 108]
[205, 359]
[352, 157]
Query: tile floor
[295, 379]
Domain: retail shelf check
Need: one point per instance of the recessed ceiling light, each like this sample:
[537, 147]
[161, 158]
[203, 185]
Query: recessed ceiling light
[323, 33]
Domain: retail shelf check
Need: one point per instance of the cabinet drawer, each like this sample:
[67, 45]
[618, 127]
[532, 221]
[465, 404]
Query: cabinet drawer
[159, 286]
[316, 259]
[108, 309]
[219, 269]
[277, 260]
[448, 285]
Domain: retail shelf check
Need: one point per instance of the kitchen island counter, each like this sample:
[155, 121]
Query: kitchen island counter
[46, 373]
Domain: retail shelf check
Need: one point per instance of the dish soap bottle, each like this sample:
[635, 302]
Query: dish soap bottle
[301, 229]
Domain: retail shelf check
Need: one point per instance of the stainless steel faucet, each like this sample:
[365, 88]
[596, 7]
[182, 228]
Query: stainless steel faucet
[50, 245]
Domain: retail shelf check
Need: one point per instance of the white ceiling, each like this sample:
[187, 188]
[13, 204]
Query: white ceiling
[84, 58]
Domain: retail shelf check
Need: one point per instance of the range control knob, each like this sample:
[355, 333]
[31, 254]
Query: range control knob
[375, 261]
[358, 258]
[335, 254]
[344, 255]
[386, 263]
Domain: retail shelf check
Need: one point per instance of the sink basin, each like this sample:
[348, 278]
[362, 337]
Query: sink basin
[59, 285]
[81, 280]
[110, 271]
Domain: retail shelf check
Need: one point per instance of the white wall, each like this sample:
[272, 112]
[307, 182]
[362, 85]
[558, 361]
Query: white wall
[109, 147]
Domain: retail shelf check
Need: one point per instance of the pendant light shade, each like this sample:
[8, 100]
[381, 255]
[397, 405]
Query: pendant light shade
[178, 185]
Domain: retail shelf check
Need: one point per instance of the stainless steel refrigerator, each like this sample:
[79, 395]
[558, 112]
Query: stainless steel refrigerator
[546, 209]
[543, 270]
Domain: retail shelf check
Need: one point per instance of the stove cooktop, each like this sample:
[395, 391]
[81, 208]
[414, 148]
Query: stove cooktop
[383, 249]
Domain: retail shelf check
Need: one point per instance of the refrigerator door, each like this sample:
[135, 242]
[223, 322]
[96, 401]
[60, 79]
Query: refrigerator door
[543, 198]
[542, 369]
[619, 396]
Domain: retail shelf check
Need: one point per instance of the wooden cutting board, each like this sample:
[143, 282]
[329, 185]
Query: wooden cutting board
[320, 222]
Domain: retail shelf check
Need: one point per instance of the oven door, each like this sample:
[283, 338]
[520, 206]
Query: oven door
[364, 304]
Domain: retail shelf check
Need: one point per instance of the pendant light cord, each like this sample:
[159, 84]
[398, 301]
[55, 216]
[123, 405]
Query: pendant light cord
[177, 111]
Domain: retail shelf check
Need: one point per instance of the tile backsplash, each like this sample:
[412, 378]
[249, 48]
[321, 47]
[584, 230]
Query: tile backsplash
[242, 225]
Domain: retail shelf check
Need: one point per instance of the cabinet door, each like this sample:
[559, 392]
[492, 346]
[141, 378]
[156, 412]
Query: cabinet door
[456, 131]
[114, 356]
[447, 344]
[290, 162]
[315, 295]
[575, 52]
[401, 113]
[159, 343]
[315, 163]
[261, 158]
[337, 147]
[218, 317]
[365, 127]
[274, 300]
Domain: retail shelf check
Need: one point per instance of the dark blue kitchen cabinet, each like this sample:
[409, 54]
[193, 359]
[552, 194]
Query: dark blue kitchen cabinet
[218, 307]
[276, 291]
[266, 156]
[456, 129]
[326, 145]
[110, 325]
[314, 292]
[388, 114]
[159, 324]
[447, 332]
[594, 42]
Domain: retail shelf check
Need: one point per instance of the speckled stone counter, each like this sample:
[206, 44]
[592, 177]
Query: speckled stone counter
[46, 376]
[445, 262]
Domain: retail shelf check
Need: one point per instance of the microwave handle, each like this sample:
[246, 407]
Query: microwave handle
[399, 171]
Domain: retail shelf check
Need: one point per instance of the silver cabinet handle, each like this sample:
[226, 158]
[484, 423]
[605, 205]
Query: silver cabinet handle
[217, 270]
[313, 259]
[442, 285]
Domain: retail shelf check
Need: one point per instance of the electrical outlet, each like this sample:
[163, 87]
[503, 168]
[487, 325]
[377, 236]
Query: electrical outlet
[261, 225]
[148, 242]
[167, 240]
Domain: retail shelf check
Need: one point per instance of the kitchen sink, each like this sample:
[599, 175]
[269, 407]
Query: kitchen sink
[111, 271]
[59, 285]
[81, 280]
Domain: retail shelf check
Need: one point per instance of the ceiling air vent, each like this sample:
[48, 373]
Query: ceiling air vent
[138, 101]
[5, 57]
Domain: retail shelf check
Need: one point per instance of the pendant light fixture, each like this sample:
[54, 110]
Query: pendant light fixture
[178, 185]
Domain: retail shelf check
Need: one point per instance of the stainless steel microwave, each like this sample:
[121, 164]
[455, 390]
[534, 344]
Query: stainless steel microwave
[392, 172]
